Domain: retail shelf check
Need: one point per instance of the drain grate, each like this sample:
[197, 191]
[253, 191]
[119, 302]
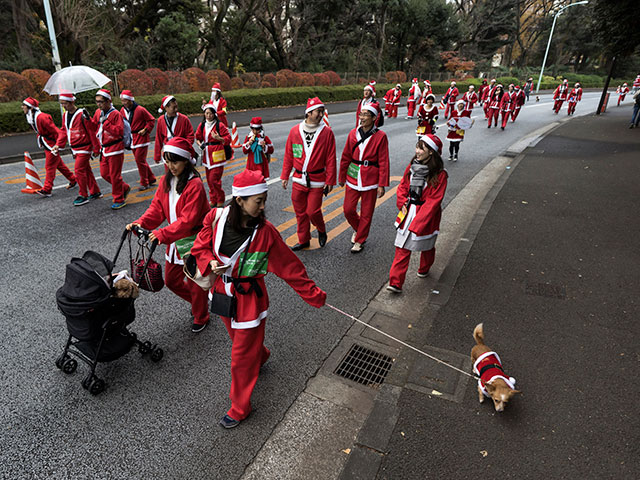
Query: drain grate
[545, 290]
[364, 366]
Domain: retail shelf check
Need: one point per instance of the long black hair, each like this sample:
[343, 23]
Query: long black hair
[435, 164]
[235, 216]
[189, 169]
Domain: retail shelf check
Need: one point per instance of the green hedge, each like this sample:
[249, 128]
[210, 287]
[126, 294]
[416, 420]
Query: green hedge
[12, 119]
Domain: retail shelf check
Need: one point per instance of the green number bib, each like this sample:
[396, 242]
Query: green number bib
[353, 170]
[184, 245]
[254, 264]
[297, 150]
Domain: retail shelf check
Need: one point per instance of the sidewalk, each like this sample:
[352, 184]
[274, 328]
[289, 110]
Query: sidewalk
[549, 264]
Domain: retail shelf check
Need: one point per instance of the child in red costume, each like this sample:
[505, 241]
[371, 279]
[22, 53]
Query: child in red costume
[212, 135]
[219, 103]
[240, 248]
[420, 195]
[495, 103]
[258, 148]
[182, 202]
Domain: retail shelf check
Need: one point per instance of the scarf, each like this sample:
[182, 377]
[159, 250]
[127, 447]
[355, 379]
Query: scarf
[256, 148]
[309, 132]
[418, 179]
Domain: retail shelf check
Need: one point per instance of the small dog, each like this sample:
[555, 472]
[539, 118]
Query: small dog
[493, 382]
[537, 98]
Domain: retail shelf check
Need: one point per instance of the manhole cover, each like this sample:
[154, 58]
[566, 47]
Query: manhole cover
[545, 290]
[364, 366]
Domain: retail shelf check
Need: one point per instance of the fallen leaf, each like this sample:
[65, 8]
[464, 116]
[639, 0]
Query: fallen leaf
[402, 433]
[484, 453]
[347, 451]
[435, 392]
[526, 203]
[409, 326]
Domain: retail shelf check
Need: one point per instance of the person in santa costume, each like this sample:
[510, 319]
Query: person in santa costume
[392, 101]
[483, 86]
[636, 85]
[240, 246]
[470, 98]
[311, 153]
[494, 103]
[171, 124]
[427, 116]
[182, 202]
[518, 103]
[219, 103]
[212, 136]
[426, 90]
[560, 95]
[415, 94]
[368, 96]
[506, 105]
[47, 136]
[456, 131]
[623, 92]
[574, 97]
[110, 132]
[142, 123]
[364, 168]
[258, 148]
[449, 99]
[485, 98]
[79, 132]
[419, 201]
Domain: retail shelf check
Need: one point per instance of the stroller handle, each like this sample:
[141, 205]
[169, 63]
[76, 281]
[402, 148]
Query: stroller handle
[141, 232]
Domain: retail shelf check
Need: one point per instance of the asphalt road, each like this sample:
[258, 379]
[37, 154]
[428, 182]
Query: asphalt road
[160, 420]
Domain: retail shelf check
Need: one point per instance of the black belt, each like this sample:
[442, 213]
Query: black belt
[416, 202]
[306, 174]
[490, 366]
[113, 143]
[239, 288]
[366, 163]
[75, 147]
[207, 144]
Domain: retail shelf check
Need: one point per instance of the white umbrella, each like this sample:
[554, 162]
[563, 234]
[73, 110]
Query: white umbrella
[77, 78]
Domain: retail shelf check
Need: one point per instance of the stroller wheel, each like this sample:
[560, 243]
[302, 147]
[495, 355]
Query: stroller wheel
[97, 386]
[69, 366]
[86, 382]
[145, 348]
[61, 359]
[157, 354]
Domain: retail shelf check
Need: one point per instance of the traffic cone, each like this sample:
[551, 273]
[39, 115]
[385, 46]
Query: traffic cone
[442, 104]
[234, 136]
[325, 118]
[31, 175]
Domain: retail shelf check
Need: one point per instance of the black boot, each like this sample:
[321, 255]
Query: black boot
[322, 238]
[300, 246]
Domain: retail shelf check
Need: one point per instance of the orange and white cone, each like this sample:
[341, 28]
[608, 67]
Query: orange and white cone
[31, 175]
[234, 136]
[325, 118]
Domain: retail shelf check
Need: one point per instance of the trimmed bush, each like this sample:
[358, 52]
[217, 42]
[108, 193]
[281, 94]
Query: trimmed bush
[137, 81]
[322, 79]
[286, 78]
[159, 79]
[402, 77]
[14, 86]
[38, 79]
[307, 79]
[391, 77]
[195, 79]
[334, 78]
[176, 83]
[219, 76]
[251, 79]
[237, 83]
[269, 80]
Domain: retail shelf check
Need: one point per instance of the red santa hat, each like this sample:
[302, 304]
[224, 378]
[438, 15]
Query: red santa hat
[181, 147]
[415, 80]
[433, 142]
[31, 102]
[624, 84]
[165, 102]
[313, 103]
[210, 106]
[248, 183]
[517, 87]
[577, 84]
[398, 85]
[565, 81]
[216, 87]
[371, 86]
[66, 96]
[493, 80]
[256, 122]
[427, 82]
[373, 107]
[453, 82]
[127, 95]
[430, 96]
[103, 92]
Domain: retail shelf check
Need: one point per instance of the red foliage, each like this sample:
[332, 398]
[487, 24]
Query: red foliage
[269, 81]
[14, 87]
[307, 79]
[455, 64]
[38, 79]
[236, 83]
[322, 79]
[334, 78]
[402, 77]
[286, 78]
[391, 77]
[219, 76]
[159, 79]
[251, 80]
[176, 83]
[196, 79]
[135, 80]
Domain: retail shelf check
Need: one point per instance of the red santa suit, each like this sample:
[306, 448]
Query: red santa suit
[506, 106]
[244, 280]
[518, 103]
[79, 132]
[469, 99]
[636, 84]
[449, 99]
[419, 229]
[489, 368]
[426, 91]
[169, 127]
[364, 167]
[258, 149]
[427, 118]
[213, 156]
[485, 99]
[368, 101]
[574, 97]
[481, 90]
[392, 101]
[560, 95]
[314, 167]
[110, 134]
[140, 119]
[415, 94]
[495, 101]
[623, 93]
[455, 134]
[184, 213]
[47, 137]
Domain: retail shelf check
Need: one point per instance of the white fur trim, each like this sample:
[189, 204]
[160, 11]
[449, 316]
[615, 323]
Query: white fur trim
[128, 97]
[66, 97]
[430, 143]
[103, 93]
[179, 151]
[370, 108]
[249, 191]
[313, 107]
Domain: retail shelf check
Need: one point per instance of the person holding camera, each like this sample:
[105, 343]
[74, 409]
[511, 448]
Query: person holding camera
[239, 246]
[427, 116]
[78, 130]
[419, 201]
[212, 137]
[182, 202]
[258, 148]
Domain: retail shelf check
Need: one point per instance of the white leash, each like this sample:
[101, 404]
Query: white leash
[401, 342]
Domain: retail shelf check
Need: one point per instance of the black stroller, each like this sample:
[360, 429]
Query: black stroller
[97, 320]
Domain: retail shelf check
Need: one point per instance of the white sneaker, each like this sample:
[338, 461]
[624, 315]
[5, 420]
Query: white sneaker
[455, 159]
[394, 289]
[451, 158]
[357, 247]
[423, 275]
[353, 237]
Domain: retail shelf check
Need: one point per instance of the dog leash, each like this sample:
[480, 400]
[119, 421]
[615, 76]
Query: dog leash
[401, 342]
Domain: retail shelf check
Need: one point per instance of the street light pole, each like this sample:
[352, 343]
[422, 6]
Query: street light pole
[553, 26]
[54, 43]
